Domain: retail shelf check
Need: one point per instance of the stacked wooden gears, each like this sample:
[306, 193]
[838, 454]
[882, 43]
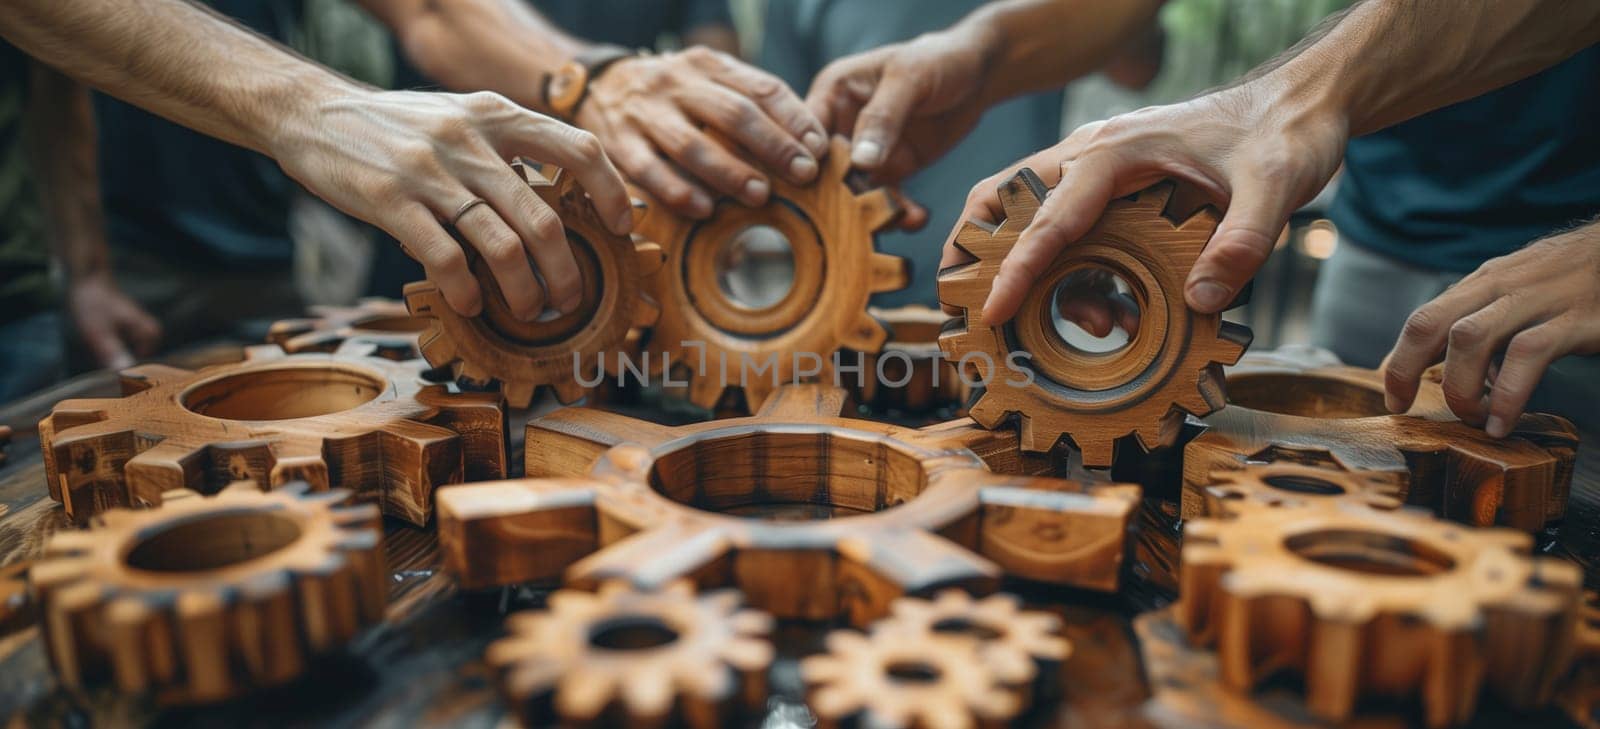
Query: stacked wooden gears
[381, 322]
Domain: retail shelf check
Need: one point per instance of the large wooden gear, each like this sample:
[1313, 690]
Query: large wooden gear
[563, 352]
[382, 322]
[737, 503]
[622, 657]
[1171, 365]
[705, 334]
[1293, 406]
[345, 420]
[207, 598]
[1378, 603]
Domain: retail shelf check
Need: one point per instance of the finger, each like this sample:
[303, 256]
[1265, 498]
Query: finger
[708, 161]
[1090, 315]
[504, 252]
[1471, 345]
[1528, 355]
[747, 124]
[1062, 218]
[542, 236]
[101, 338]
[140, 331]
[1422, 340]
[1256, 215]
[881, 121]
[639, 162]
[422, 238]
[579, 152]
[782, 106]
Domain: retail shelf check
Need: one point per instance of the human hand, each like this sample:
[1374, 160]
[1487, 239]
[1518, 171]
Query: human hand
[1257, 151]
[904, 105]
[649, 107]
[1529, 308]
[114, 327]
[405, 161]
[1090, 299]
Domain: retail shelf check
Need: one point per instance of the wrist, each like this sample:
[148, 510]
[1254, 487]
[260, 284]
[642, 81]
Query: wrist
[302, 113]
[980, 46]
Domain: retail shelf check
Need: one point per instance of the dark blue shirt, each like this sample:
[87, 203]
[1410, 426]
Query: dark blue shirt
[1454, 188]
[188, 198]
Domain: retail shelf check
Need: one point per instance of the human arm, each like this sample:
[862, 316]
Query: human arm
[906, 104]
[403, 161]
[1267, 144]
[655, 114]
[60, 124]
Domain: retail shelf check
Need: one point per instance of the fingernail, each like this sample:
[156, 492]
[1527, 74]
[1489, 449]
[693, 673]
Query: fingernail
[1209, 296]
[625, 223]
[803, 168]
[570, 305]
[815, 142]
[120, 362]
[866, 154]
[755, 191]
[1496, 427]
[1392, 402]
[700, 205]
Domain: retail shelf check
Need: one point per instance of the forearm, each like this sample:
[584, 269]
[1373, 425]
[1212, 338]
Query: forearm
[476, 45]
[61, 132]
[177, 60]
[1386, 61]
[1077, 38]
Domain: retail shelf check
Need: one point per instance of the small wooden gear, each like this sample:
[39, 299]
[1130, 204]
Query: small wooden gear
[709, 336]
[1378, 603]
[897, 675]
[1291, 406]
[206, 598]
[1276, 484]
[911, 374]
[747, 502]
[381, 322]
[349, 419]
[1171, 364]
[622, 657]
[559, 352]
[1005, 633]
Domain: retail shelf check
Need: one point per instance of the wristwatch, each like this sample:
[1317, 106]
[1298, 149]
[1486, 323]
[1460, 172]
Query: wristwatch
[565, 90]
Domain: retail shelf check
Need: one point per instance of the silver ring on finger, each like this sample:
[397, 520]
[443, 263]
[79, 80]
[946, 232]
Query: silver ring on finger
[468, 205]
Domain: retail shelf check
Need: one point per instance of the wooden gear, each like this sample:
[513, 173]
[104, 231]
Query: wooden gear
[1378, 603]
[382, 322]
[621, 657]
[1275, 484]
[496, 346]
[1171, 365]
[207, 598]
[704, 332]
[917, 378]
[1292, 406]
[918, 511]
[348, 419]
[1028, 641]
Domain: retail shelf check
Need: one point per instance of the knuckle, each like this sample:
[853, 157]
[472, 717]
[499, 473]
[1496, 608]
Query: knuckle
[701, 55]
[1238, 251]
[1458, 398]
[1422, 324]
[504, 249]
[586, 145]
[1529, 344]
[1466, 333]
[547, 227]
[444, 261]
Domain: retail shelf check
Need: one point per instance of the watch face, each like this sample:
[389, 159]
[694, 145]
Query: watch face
[566, 86]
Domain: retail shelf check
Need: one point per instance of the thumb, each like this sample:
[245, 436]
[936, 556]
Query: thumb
[106, 346]
[881, 121]
[1255, 218]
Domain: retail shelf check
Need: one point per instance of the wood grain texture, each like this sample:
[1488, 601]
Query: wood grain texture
[1291, 484]
[704, 332]
[1171, 365]
[1294, 406]
[811, 515]
[1368, 603]
[205, 598]
[496, 347]
[381, 322]
[911, 375]
[623, 657]
[344, 420]
[951, 661]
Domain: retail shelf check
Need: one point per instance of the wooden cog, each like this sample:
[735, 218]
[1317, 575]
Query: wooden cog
[1027, 642]
[1293, 406]
[622, 657]
[705, 331]
[1378, 603]
[344, 420]
[496, 347]
[916, 376]
[381, 322]
[1172, 363]
[746, 502]
[1279, 484]
[204, 599]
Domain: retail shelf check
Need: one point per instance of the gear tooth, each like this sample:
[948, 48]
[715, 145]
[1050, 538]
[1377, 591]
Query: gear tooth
[1203, 220]
[1020, 196]
[436, 348]
[878, 208]
[1232, 340]
[987, 411]
[706, 390]
[518, 394]
[1098, 450]
[865, 334]
[980, 240]
[1157, 196]
[648, 257]
[646, 312]
[1147, 440]
[889, 273]
[569, 391]
[1035, 439]
[1210, 394]
[143, 377]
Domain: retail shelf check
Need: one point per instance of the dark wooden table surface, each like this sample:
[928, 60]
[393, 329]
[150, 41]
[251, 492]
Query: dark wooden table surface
[422, 666]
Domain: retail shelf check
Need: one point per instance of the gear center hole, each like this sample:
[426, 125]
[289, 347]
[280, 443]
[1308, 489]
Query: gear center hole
[283, 394]
[1304, 485]
[1095, 311]
[912, 672]
[1370, 553]
[755, 267]
[963, 626]
[1309, 396]
[632, 633]
[213, 541]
